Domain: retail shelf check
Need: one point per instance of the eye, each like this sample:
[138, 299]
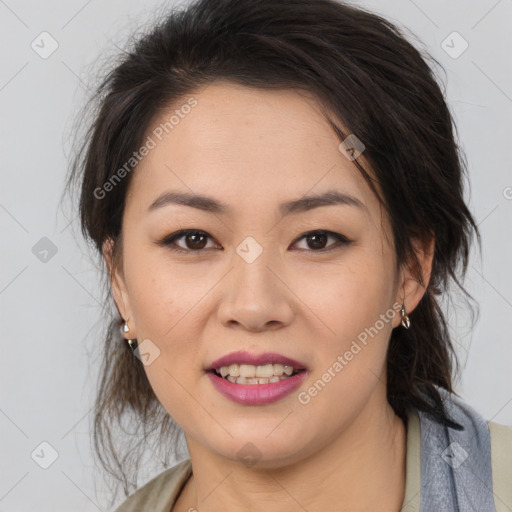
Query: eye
[196, 240]
[318, 239]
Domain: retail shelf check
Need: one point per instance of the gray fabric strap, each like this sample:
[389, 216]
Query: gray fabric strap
[456, 465]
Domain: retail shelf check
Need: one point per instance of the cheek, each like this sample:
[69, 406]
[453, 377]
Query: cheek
[166, 304]
[161, 296]
[351, 358]
[357, 308]
[357, 292]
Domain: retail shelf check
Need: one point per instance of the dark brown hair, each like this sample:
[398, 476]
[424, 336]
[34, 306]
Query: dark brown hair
[371, 82]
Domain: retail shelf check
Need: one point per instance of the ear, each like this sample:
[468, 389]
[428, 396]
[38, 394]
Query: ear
[410, 290]
[118, 285]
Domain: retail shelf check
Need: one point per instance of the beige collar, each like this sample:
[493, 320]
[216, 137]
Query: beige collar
[413, 465]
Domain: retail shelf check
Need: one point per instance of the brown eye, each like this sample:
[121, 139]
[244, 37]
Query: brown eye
[317, 240]
[194, 241]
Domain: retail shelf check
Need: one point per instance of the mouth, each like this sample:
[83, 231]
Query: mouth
[250, 379]
[249, 374]
[243, 367]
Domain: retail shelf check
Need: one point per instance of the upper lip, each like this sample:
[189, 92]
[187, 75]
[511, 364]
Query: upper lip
[243, 357]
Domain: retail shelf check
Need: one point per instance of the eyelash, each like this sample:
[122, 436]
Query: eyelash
[169, 241]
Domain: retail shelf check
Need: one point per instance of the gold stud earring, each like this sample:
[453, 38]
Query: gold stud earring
[131, 342]
[406, 321]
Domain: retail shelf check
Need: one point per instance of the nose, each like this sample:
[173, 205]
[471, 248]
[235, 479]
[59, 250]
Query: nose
[255, 296]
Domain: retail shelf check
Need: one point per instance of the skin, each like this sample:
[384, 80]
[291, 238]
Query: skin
[253, 149]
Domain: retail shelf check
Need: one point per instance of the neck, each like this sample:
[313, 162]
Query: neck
[363, 469]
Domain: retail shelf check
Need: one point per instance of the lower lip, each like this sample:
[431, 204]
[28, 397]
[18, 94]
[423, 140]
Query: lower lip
[256, 394]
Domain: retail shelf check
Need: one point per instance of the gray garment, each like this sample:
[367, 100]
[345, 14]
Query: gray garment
[456, 465]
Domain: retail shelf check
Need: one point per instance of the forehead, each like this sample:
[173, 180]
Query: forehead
[248, 146]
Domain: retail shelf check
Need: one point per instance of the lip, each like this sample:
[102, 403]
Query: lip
[256, 394]
[244, 357]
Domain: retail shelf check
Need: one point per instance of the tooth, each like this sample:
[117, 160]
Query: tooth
[278, 369]
[265, 371]
[247, 370]
[234, 370]
[250, 373]
[256, 380]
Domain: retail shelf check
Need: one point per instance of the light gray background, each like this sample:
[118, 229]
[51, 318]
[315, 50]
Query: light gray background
[50, 311]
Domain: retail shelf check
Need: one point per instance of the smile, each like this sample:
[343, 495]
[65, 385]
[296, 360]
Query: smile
[261, 392]
[251, 374]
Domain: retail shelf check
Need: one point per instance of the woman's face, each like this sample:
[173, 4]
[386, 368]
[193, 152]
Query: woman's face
[251, 281]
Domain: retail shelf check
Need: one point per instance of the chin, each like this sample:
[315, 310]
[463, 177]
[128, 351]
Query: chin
[255, 448]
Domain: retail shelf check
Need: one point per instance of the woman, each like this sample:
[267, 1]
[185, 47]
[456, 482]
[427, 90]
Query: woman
[275, 189]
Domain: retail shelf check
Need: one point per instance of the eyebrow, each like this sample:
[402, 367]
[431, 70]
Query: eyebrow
[211, 205]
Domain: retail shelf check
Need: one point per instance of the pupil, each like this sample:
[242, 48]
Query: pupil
[194, 237]
[323, 239]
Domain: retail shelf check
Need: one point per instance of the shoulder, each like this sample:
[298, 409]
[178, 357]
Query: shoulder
[501, 434]
[501, 456]
[470, 419]
[478, 432]
[473, 462]
[160, 493]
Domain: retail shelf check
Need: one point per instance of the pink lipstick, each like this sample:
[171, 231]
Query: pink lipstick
[270, 376]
